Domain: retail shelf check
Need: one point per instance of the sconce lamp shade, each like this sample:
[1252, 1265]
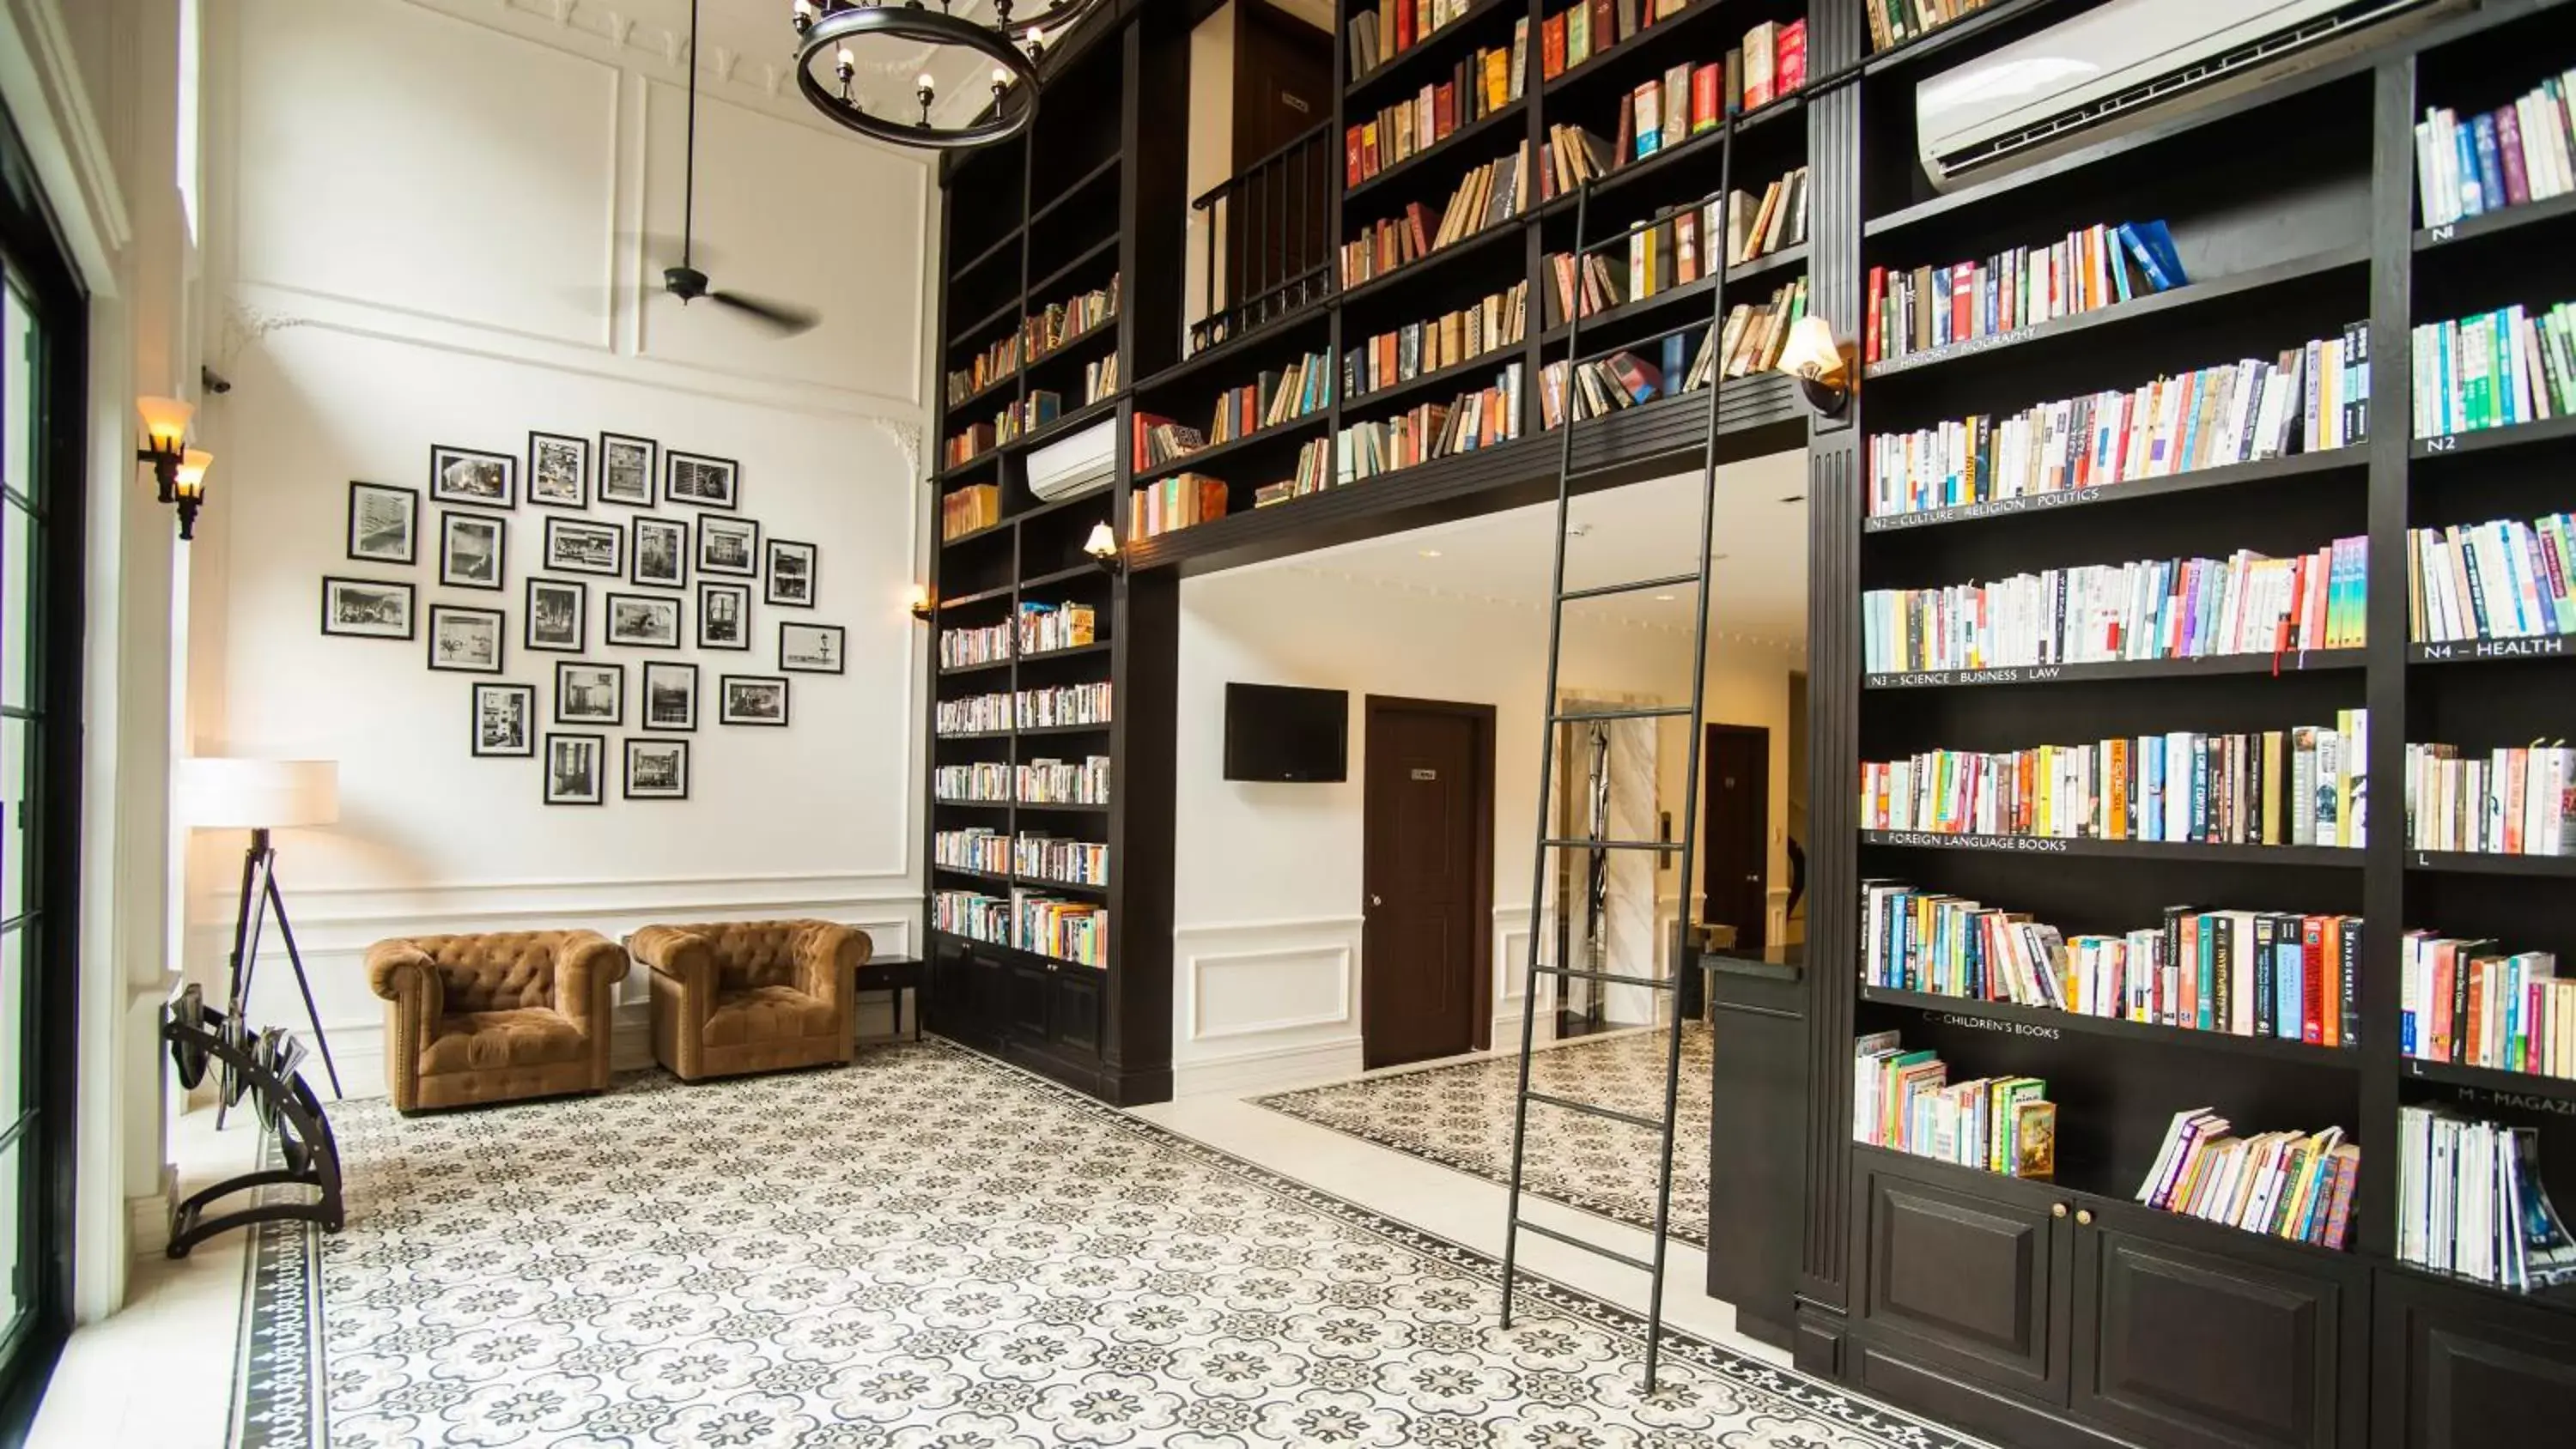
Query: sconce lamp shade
[192, 473]
[1102, 543]
[165, 424]
[216, 793]
[1810, 351]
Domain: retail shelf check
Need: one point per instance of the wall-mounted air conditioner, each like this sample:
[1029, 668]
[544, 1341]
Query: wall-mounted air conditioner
[1084, 462]
[2115, 66]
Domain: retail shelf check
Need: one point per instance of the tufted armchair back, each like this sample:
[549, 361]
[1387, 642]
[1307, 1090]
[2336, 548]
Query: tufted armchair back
[751, 996]
[753, 954]
[499, 971]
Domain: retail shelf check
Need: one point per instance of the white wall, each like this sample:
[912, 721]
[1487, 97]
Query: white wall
[426, 222]
[1266, 938]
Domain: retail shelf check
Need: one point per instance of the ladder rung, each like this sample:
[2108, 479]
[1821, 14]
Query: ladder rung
[1660, 711]
[1633, 586]
[1658, 983]
[1571, 1241]
[1586, 844]
[1633, 1119]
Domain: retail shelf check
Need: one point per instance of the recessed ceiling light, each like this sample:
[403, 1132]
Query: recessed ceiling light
[1431, 553]
[1663, 598]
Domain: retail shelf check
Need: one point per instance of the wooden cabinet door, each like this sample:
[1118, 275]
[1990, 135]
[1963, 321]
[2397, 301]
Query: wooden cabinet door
[1973, 1281]
[1076, 1013]
[2468, 1368]
[2179, 1347]
[1026, 1001]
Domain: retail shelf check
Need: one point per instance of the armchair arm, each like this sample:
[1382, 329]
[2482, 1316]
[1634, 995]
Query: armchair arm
[677, 955]
[403, 974]
[587, 966]
[828, 956]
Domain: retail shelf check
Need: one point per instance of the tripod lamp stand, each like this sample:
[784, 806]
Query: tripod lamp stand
[260, 796]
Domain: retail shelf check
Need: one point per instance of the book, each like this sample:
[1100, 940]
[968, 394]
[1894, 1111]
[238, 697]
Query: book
[2471, 1201]
[2505, 801]
[1894, 22]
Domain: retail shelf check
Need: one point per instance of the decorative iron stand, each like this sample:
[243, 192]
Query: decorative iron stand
[200, 1037]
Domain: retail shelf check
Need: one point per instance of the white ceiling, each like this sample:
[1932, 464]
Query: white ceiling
[1758, 588]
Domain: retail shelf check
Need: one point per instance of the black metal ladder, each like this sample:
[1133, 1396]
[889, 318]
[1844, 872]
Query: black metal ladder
[1717, 247]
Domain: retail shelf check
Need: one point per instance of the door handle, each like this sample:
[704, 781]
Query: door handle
[1753, 877]
[1375, 901]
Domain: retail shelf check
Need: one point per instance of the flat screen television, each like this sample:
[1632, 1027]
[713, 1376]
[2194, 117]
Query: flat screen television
[1280, 733]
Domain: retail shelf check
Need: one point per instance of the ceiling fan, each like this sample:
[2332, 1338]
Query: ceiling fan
[684, 280]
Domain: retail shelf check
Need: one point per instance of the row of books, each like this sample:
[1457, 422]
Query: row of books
[981, 782]
[970, 442]
[1482, 82]
[1159, 440]
[1026, 415]
[1180, 501]
[974, 714]
[1063, 704]
[1074, 931]
[1584, 29]
[1689, 99]
[2269, 787]
[1472, 420]
[1058, 324]
[1099, 379]
[2294, 1185]
[1385, 29]
[965, 510]
[1894, 22]
[1486, 196]
[1276, 396]
[2245, 973]
[998, 361]
[2193, 608]
[2501, 802]
[1065, 782]
[1313, 474]
[973, 915]
[1391, 358]
[2495, 369]
[1673, 252]
[2504, 579]
[1068, 625]
[1750, 341]
[2465, 1002]
[985, 644]
[1905, 1101]
[2470, 1200]
[2308, 399]
[981, 848]
[2099, 266]
[2509, 156]
[1048, 857]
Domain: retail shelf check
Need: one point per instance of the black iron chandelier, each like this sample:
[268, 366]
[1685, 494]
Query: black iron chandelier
[827, 66]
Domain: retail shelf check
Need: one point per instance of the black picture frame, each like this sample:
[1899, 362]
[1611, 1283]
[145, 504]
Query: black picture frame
[410, 609]
[674, 531]
[725, 686]
[451, 480]
[624, 479]
[578, 636]
[656, 602]
[712, 597]
[408, 499]
[558, 785]
[679, 749]
[492, 580]
[566, 679]
[499, 620]
[479, 736]
[833, 659]
[747, 529]
[770, 592]
[700, 467]
[568, 529]
[546, 453]
[649, 713]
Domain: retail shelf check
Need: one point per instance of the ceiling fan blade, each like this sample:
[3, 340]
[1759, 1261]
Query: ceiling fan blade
[787, 318]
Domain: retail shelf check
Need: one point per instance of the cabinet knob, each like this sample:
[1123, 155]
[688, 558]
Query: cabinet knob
[2057, 1209]
[2084, 1216]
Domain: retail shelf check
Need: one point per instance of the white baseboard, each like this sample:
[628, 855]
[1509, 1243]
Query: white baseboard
[1275, 1070]
[147, 1217]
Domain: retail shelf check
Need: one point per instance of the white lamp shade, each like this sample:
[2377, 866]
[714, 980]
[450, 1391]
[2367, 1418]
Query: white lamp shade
[227, 794]
[1810, 351]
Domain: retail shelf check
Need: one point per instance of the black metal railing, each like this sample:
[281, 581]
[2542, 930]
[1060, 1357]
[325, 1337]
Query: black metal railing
[1275, 254]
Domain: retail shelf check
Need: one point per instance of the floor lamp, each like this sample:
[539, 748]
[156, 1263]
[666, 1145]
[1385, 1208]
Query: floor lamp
[260, 796]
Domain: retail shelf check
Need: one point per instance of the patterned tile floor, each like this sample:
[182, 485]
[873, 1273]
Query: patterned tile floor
[1461, 1116]
[928, 1249]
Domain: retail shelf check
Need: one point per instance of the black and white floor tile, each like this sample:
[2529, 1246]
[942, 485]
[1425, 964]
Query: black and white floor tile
[927, 1250]
[1461, 1117]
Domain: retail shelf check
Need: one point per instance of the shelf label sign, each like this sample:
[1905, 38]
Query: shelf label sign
[2539, 648]
[2035, 844]
[1983, 1023]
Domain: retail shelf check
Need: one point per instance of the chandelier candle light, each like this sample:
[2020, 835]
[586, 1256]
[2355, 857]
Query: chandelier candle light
[827, 67]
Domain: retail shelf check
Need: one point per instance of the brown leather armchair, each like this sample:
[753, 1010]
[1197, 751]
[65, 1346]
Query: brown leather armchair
[496, 1017]
[751, 996]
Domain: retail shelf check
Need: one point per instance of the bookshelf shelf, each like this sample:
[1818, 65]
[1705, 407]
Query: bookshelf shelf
[2495, 223]
[2479, 440]
[1010, 952]
[1744, 274]
[1914, 52]
[1078, 571]
[1483, 362]
[1104, 170]
[2341, 857]
[1215, 452]
[2490, 1079]
[1654, 35]
[1472, 244]
[1050, 883]
[971, 873]
[1036, 731]
[1065, 809]
[970, 804]
[1043, 509]
[980, 596]
[2309, 662]
[1081, 345]
[2560, 1299]
[1703, 144]
[1080, 417]
[975, 263]
[1443, 41]
[2494, 651]
[2335, 1058]
[986, 325]
[957, 540]
[1071, 651]
[2263, 470]
[2180, 299]
[1415, 164]
[1040, 290]
[998, 385]
[972, 735]
[2476, 862]
[952, 671]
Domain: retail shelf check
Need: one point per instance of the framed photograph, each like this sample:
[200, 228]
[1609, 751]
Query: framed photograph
[505, 721]
[752, 699]
[626, 469]
[558, 616]
[575, 773]
[724, 616]
[384, 523]
[659, 558]
[657, 769]
[729, 546]
[465, 640]
[590, 694]
[644, 621]
[469, 549]
[579, 546]
[791, 574]
[366, 608]
[701, 481]
[476, 479]
[812, 648]
[558, 470]
[670, 695]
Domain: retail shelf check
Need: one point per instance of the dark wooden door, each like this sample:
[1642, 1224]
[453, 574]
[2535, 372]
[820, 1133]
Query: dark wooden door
[1735, 837]
[1968, 1283]
[1283, 88]
[2459, 1367]
[1427, 869]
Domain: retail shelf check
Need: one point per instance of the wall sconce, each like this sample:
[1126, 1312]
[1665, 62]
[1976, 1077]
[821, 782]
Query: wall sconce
[1822, 366]
[1102, 545]
[165, 440]
[918, 603]
[189, 491]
